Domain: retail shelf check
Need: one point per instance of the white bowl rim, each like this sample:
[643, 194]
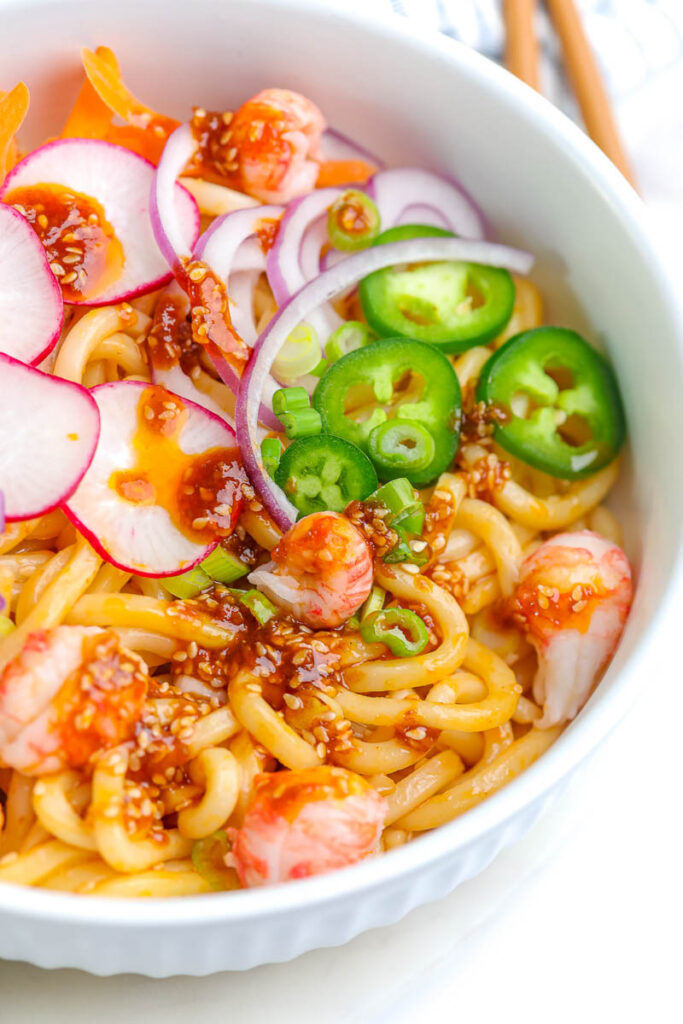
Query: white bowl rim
[573, 746]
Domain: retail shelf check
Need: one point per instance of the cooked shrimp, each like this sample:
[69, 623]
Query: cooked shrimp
[303, 823]
[72, 691]
[276, 135]
[321, 570]
[572, 601]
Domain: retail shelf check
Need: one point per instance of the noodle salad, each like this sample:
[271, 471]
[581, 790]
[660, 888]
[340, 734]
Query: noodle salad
[303, 549]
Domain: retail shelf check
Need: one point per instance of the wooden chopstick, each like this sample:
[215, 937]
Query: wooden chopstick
[585, 77]
[521, 44]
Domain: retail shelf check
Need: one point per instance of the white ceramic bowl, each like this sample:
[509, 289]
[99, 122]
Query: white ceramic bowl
[543, 186]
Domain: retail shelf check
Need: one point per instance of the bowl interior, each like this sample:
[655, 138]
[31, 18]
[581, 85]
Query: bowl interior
[541, 185]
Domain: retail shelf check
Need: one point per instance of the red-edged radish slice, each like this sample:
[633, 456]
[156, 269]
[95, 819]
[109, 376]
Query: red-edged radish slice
[119, 258]
[180, 383]
[31, 306]
[48, 433]
[134, 504]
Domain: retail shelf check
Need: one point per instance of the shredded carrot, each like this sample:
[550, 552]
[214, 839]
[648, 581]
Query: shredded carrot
[107, 83]
[343, 172]
[140, 140]
[13, 109]
[90, 116]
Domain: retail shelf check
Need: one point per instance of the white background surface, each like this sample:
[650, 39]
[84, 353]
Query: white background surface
[580, 921]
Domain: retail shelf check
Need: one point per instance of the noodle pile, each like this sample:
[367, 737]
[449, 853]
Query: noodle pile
[434, 734]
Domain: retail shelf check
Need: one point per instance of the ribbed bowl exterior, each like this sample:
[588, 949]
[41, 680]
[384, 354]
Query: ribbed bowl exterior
[206, 948]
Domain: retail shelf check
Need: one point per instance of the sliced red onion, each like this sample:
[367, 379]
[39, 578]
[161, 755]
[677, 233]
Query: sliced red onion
[300, 308]
[170, 231]
[310, 256]
[231, 242]
[241, 288]
[31, 305]
[400, 188]
[285, 262]
[336, 146]
[48, 434]
[421, 213]
[232, 381]
[138, 537]
[233, 251]
[120, 181]
[331, 258]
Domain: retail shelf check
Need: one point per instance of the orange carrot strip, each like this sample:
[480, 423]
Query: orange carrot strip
[13, 109]
[90, 116]
[107, 83]
[343, 172]
[139, 140]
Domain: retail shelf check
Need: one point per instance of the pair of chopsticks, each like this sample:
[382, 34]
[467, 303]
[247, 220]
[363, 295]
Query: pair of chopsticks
[522, 58]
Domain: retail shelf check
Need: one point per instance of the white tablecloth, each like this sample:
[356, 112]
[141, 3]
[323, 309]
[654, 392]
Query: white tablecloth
[580, 920]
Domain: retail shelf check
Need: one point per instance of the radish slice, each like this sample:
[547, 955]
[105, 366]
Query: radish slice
[180, 383]
[169, 226]
[400, 188]
[336, 146]
[31, 306]
[307, 301]
[131, 534]
[48, 429]
[120, 182]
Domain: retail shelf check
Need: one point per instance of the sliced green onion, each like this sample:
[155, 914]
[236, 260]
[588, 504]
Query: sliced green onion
[353, 623]
[349, 336]
[353, 221]
[319, 370]
[410, 519]
[6, 625]
[301, 423]
[289, 399]
[258, 604]
[415, 552]
[300, 354]
[208, 858]
[271, 453]
[399, 497]
[398, 445]
[187, 584]
[373, 603]
[396, 495]
[223, 567]
[399, 629]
